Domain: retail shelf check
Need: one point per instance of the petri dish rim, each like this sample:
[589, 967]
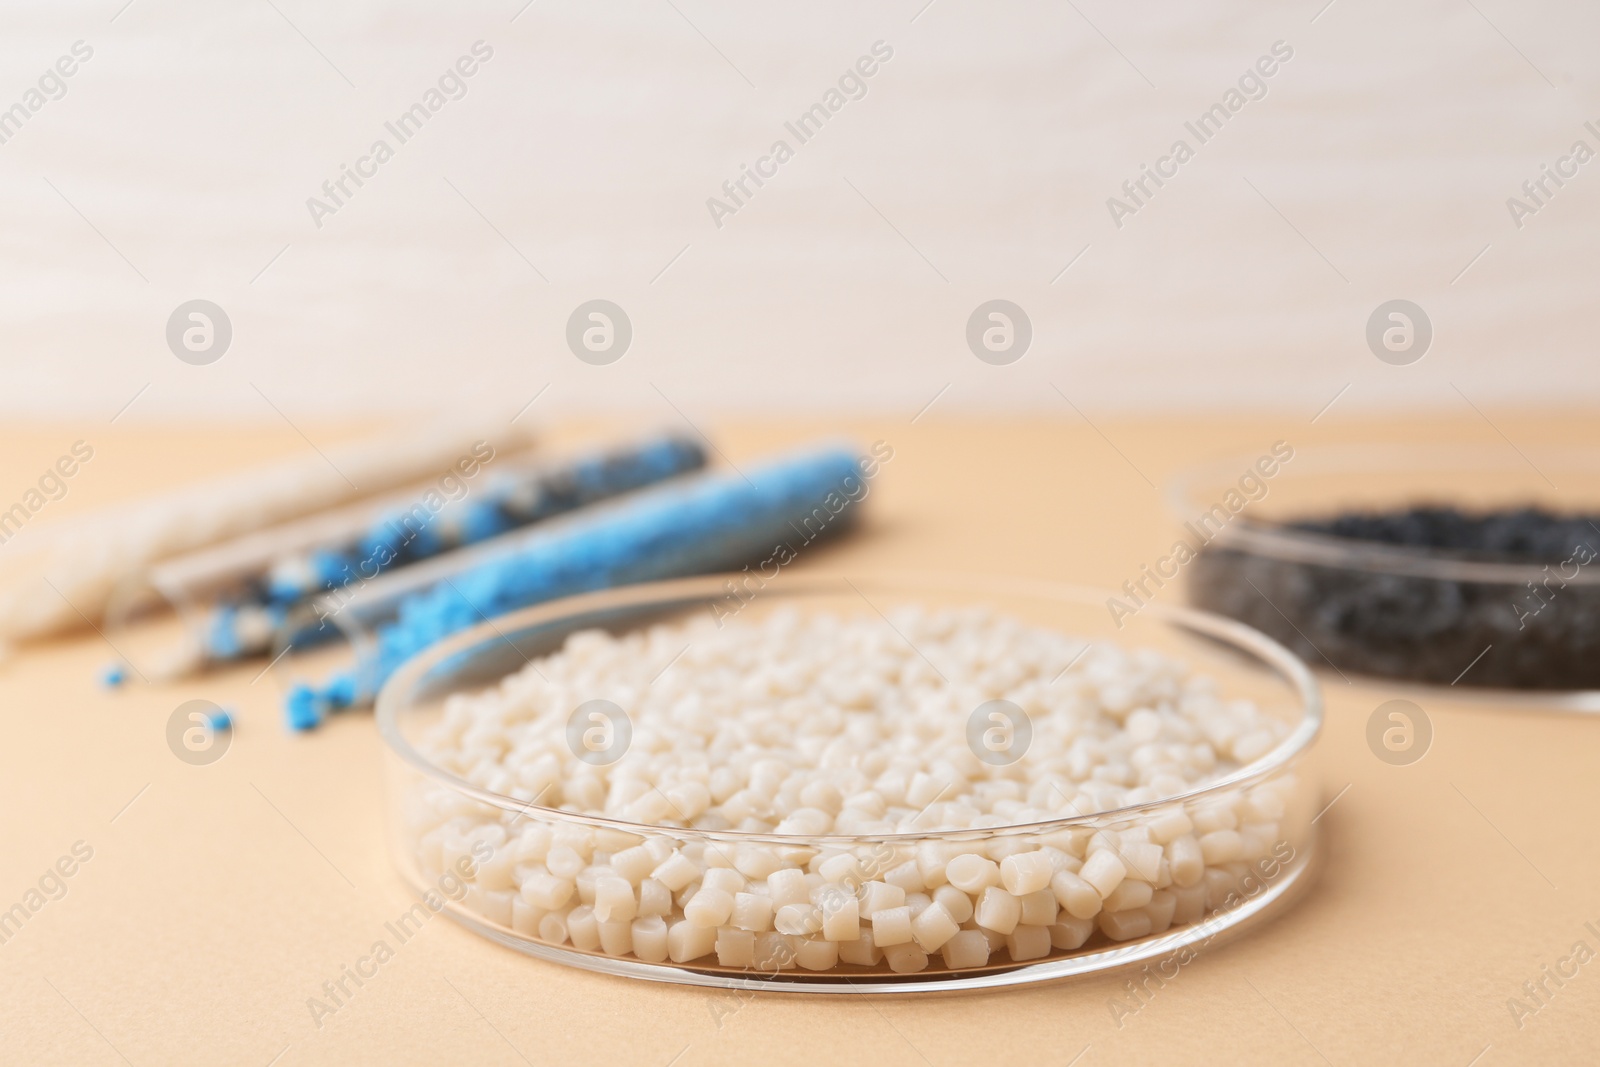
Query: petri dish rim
[395, 697]
[1185, 499]
[1226, 927]
[1184, 502]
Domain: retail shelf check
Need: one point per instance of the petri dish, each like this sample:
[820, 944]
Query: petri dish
[1490, 629]
[435, 816]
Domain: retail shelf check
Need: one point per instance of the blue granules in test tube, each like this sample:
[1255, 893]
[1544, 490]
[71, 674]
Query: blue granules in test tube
[250, 625]
[696, 526]
[393, 541]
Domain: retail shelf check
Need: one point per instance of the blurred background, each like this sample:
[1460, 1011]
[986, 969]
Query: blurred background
[976, 162]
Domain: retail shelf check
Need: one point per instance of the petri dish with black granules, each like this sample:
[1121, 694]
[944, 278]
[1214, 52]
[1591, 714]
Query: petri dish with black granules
[1462, 567]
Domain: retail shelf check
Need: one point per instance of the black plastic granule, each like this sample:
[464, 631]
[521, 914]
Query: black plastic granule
[1543, 635]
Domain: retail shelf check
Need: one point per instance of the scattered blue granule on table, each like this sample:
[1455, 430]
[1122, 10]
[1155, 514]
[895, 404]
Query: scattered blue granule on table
[221, 720]
[114, 675]
[306, 706]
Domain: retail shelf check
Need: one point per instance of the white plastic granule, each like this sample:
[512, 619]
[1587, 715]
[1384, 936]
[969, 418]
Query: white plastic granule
[805, 725]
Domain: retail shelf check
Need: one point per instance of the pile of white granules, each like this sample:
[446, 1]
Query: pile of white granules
[805, 725]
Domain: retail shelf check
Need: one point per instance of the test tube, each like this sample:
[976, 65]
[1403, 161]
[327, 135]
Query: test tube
[693, 525]
[248, 597]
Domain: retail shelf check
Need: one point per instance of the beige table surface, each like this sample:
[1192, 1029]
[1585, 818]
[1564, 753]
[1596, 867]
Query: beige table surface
[219, 898]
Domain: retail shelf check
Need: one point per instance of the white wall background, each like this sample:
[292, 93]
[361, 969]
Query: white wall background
[179, 161]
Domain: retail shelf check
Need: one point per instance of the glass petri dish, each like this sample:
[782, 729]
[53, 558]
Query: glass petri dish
[434, 815]
[1491, 631]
